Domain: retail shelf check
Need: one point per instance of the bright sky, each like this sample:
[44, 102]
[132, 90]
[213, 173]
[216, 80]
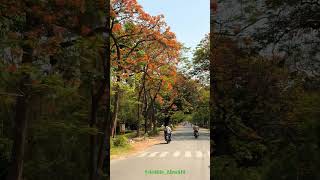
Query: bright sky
[188, 19]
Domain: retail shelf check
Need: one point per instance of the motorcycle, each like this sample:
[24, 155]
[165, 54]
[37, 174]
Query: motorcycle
[196, 134]
[168, 137]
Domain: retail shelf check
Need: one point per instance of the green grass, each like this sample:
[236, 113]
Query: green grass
[120, 150]
[131, 134]
[120, 145]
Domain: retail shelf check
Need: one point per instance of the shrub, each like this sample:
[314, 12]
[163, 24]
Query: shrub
[111, 142]
[120, 141]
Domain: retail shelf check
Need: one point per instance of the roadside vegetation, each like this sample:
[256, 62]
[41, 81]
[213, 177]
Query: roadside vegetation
[265, 90]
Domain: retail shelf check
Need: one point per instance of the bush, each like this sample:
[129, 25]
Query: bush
[120, 141]
[111, 142]
[188, 118]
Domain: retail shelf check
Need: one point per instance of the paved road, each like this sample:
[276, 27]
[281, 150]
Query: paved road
[185, 155]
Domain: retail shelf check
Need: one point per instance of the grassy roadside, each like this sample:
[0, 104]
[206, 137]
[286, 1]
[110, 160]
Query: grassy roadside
[127, 144]
[117, 151]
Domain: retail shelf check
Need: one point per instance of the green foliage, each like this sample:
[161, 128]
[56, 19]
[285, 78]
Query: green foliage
[226, 168]
[201, 60]
[154, 132]
[111, 143]
[267, 119]
[300, 159]
[120, 141]
[188, 118]
[128, 26]
[200, 115]
[5, 148]
[128, 106]
[178, 117]
[130, 134]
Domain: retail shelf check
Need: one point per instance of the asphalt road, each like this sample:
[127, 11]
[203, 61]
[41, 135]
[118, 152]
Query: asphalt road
[185, 158]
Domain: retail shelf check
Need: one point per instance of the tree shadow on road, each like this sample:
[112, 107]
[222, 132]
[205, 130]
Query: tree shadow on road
[161, 143]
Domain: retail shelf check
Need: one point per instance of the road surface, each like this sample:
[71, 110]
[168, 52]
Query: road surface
[185, 158]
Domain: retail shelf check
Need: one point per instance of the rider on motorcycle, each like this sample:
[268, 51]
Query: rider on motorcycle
[195, 129]
[167, 131]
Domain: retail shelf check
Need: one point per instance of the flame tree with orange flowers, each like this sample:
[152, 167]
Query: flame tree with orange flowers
[141, 45]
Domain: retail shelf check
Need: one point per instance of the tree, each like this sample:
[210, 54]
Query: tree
[255, 92]
[201, 60]
[40, 33]
[135, 35]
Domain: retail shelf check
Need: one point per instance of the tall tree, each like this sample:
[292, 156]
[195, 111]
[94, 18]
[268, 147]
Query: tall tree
[42, 30]
[131, 39]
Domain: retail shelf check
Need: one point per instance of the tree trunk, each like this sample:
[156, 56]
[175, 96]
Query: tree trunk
[117, 95]
[145, 113]
[116, 110]
[20, 121]
[153, 118]
[104, 149]
[93, 138]
[20, 133]
[93, 124]
[151, 113]
[153, 100]
[138, 115]
[213, 8]
[139, 97]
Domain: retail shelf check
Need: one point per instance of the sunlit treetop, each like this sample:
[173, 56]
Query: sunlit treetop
[141, 39]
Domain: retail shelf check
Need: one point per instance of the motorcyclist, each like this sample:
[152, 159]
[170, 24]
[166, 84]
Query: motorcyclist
[166, 123]
[167, 131]
[195, 129]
